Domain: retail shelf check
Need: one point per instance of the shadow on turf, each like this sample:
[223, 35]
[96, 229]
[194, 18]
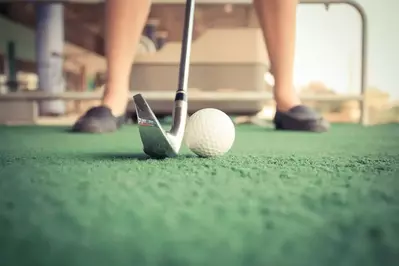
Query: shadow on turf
[118, 156]
[113, 156]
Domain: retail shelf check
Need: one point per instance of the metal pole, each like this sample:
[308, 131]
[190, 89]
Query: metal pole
[364, 46]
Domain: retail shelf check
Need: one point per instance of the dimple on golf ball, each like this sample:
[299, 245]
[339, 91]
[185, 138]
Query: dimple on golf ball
[209, 132]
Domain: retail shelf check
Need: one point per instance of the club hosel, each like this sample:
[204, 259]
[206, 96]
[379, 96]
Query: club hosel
[179, 118]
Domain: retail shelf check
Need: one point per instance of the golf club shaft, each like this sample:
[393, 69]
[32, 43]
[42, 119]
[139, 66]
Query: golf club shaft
[186, 46]
[180, 107]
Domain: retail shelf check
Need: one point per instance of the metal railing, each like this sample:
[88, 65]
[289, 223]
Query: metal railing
[364, 47]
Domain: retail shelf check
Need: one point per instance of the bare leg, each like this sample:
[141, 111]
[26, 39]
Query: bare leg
[125, 20]
[277, 19]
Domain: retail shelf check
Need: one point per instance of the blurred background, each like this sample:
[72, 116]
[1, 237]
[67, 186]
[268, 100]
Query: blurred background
[59, 48]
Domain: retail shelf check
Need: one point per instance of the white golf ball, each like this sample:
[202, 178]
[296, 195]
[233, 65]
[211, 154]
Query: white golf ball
[209, 132]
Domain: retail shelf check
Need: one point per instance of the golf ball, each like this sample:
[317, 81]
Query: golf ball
[209, 132]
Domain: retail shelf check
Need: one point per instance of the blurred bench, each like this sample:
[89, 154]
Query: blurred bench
[223, 62]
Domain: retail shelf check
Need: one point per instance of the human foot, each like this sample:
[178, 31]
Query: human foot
[98, 119]
[300, 118]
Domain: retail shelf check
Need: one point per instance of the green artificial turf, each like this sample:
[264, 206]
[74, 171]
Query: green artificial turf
[276, 199]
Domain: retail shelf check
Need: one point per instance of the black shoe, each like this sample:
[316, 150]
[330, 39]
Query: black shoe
[98, 120]
[300, 118]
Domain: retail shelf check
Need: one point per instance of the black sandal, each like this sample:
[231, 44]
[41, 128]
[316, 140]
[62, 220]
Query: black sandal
[98, 120]
[300, 118]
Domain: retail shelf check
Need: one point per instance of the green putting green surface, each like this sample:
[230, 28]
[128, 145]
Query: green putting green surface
[278, 198]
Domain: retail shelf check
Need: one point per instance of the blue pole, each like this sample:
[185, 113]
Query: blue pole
[49, 55]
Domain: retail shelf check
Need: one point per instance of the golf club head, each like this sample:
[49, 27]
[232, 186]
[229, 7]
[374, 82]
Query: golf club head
[157, 142]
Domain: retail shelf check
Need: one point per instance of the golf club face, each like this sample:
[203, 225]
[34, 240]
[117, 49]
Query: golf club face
[157, 143]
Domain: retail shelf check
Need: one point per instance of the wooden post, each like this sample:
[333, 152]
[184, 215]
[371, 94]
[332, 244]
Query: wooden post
[82, 87]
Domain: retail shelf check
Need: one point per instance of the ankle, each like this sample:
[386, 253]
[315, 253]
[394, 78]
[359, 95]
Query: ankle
[284, 104]
[116, 104]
